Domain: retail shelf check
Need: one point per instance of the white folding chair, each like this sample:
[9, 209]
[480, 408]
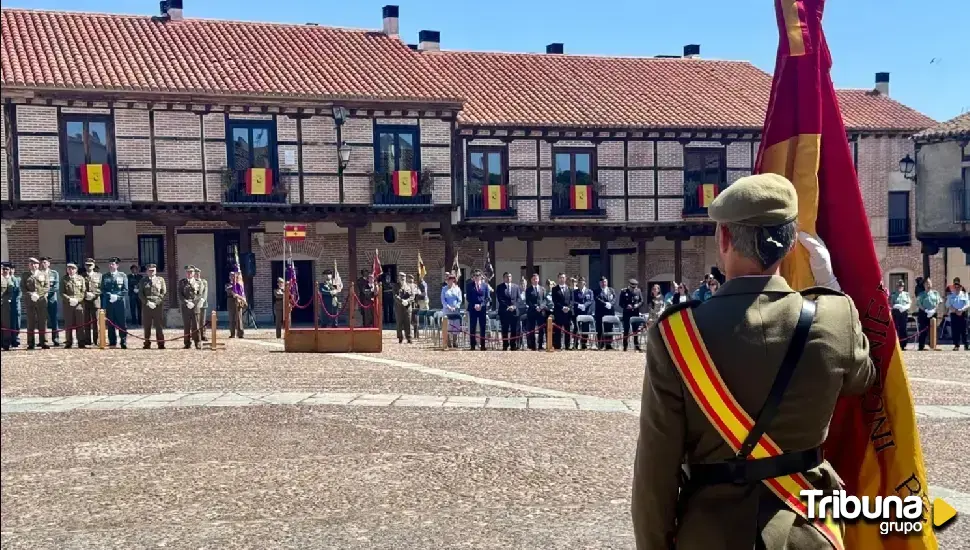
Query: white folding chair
[587, 329]
[615, 331]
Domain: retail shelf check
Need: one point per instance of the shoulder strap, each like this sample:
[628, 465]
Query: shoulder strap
[820, 291]
[782, 379]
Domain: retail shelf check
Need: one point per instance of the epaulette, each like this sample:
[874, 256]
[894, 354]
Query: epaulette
[670, 310]
[820, 291]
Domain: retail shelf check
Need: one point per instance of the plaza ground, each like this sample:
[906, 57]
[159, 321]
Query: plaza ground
[254, 448]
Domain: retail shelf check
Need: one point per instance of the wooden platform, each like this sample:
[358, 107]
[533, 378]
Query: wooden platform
[333, 340]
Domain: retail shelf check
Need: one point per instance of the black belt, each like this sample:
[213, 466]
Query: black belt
[743, 472]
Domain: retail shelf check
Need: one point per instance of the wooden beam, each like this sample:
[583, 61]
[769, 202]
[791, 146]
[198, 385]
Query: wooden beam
[491, 253]
[352, 257]
[171, 266]
[89, 241]
[642, 263]
[449, 237]
[245, 247]
[530, 258]
[605, 264]
[678, 260]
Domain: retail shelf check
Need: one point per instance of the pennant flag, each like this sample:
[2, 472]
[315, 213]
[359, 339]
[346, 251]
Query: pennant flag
[581, 197]
[422, 271]
[376, 271]
[706, 193]
[96, 179]
[488, 271]
[405, 183]
[872, 442]
[259, 181]
[235, 253]
[337, 281]
[455, 267]
[496, 197]
[291, 278]
[294, 232]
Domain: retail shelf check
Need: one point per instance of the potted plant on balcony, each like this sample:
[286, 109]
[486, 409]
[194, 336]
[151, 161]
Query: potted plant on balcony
[426, 182]
[380, 182]
[227, 179]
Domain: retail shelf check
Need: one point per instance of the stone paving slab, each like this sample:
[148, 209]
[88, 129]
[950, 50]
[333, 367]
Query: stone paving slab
[561, 403]
[507, 403]
[420, 401]
[375, 400]
[473, 401]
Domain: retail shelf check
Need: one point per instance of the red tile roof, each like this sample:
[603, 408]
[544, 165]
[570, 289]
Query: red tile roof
[958, 127]
[511, 89]
[84, 51]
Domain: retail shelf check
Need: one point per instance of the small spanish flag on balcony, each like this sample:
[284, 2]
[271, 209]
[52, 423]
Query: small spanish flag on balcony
[496, 197]
[259, 181]
[293, 232]
[405, 183]
[581, 197]
[96, 179]
[706, 193]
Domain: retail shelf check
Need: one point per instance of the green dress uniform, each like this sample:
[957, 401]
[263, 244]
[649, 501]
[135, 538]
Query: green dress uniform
[236, 304]
[152, 293]
[73, 288]
[403, 302]
[92, 302]
[747, 327]
[54, 280]
[16, 309]
[36, 288]
[927, 304]
[203, 304]
[6, 309]
[279, 295]
[114, 288]
[189, 296]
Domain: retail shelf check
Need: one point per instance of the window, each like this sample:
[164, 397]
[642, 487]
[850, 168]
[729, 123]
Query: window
[899, 233]
[895, 278]
[74, 250]
[702, 167]
[571, 168]
[85, 139]
[397, 148]
[486, 166]
[151, 250]
[252, 144]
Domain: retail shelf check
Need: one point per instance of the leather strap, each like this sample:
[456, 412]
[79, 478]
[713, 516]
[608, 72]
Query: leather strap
[744, 472]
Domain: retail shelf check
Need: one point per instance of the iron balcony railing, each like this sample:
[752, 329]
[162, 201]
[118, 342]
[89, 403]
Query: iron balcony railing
[382, 190]
[562, 206]
[475, 206]
[235, 193]
[68, 185]
[961, 205]
[899, 232]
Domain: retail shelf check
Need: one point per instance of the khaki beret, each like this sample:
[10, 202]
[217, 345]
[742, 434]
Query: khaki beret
[72, 264]
[89, 261]
[33, 261]
[190, 268]
[197, 270]
[762, 200]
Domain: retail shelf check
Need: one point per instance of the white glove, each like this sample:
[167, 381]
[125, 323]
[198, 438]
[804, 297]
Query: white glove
[151, 305]
[189, 305]
[88, 295]
[820, 261]
[136, 290]
[200, 305]
[72, 301]
[478, 307]
[931, 312]
[34, 296]
[112, 298]
[900, 307]
[582, 307]
[609, 305]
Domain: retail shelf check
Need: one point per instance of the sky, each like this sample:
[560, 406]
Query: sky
[916, 41]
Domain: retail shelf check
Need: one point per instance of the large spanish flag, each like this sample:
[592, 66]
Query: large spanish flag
[405, 183]
[706, 193]
[873, 442]
[581, 197]
[96, 179]
[259, 181]
[496, 198]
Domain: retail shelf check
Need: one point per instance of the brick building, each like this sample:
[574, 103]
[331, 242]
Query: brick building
[179, 111]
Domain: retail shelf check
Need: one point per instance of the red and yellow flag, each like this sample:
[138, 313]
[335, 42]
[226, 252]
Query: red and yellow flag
[293, 232]
[496, 198]
[96, 179]
[581, 197]
[259, 181]
[872, 442]
[706, 193]
[405, 183]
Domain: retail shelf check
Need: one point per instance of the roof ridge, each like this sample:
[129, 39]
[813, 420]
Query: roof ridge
[677, 59]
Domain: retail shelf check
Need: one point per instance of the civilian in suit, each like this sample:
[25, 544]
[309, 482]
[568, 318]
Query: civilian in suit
[562, 312]
[508, 297]
[535, 303]
[605, 300]
[583, 304]
[134, 305]
[630, 301]
[477, 295]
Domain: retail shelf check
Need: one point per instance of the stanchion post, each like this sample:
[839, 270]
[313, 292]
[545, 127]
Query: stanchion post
[316, 307]
[933, 333]
[444, 332]
[549, 334]
[102, 329]
[213, 323]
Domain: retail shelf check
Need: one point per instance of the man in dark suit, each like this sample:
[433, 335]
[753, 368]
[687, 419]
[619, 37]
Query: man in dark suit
[630, 301]
[535, 303]
[583, 304]
[507, 295]
[605, 299]
[562, 309]
[477, 295]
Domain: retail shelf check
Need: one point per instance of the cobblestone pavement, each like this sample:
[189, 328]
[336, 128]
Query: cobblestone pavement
[254, 448]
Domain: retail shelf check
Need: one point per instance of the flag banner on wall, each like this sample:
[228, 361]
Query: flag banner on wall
[581, 197]
[293, 232]
[259, 181]
[422, 270]
[96, 179]
[873, 442]
[706, 193]
[496, 197]
[405, 183]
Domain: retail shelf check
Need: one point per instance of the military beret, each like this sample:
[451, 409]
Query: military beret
[89, 261]
[43, 258]
[762, 200]
[33, 261]
[150, 266]
[6, 265]
[197, 270]
[114, 260]
[72, 264]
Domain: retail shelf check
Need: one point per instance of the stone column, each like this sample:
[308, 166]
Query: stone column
[4, 245]
[678, 260]
[642, 264]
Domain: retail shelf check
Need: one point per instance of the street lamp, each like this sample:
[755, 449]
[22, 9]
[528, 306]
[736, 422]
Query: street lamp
[339, 115]
[908, 167]
[343, 151]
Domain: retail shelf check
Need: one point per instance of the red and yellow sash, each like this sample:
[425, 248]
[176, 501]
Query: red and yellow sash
[694, 363]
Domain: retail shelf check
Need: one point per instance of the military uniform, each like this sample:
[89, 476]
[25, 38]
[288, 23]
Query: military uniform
[92, 302]
[54, 285]
[203, 304]
[134, 304]
[737, 510]
[368, 303]
[36, 288]
[630, 301]
[190, 294]
[236, 304]
[114, 287]
[152, 293]
[73, 288]
[403, 302]
[279, 297]
[16, 309]
[6, 299]
[605, 301]
[329, 304]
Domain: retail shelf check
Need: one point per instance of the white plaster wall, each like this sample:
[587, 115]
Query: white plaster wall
[198, 249]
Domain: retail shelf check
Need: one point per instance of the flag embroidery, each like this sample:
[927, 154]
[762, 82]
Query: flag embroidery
[259, 181]
[405, 183]
[96, 179]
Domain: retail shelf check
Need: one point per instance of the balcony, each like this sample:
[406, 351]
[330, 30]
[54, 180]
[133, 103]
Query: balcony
[475, 206]
[694, 199]
[235, 193]
[563, 207]
[899, 232]
[382, 190]
[961, 205]
[109, 184]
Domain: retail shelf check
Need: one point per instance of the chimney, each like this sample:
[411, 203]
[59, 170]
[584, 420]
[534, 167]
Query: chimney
[171, 10]
[882, 83]
[692, 50]
[390, 27]
[429, 41]
[555, 47]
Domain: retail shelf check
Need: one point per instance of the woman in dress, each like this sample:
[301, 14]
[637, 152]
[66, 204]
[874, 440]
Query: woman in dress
[451, 308]
[655, 305]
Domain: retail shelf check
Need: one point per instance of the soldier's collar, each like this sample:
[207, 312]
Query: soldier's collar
[754, 285]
